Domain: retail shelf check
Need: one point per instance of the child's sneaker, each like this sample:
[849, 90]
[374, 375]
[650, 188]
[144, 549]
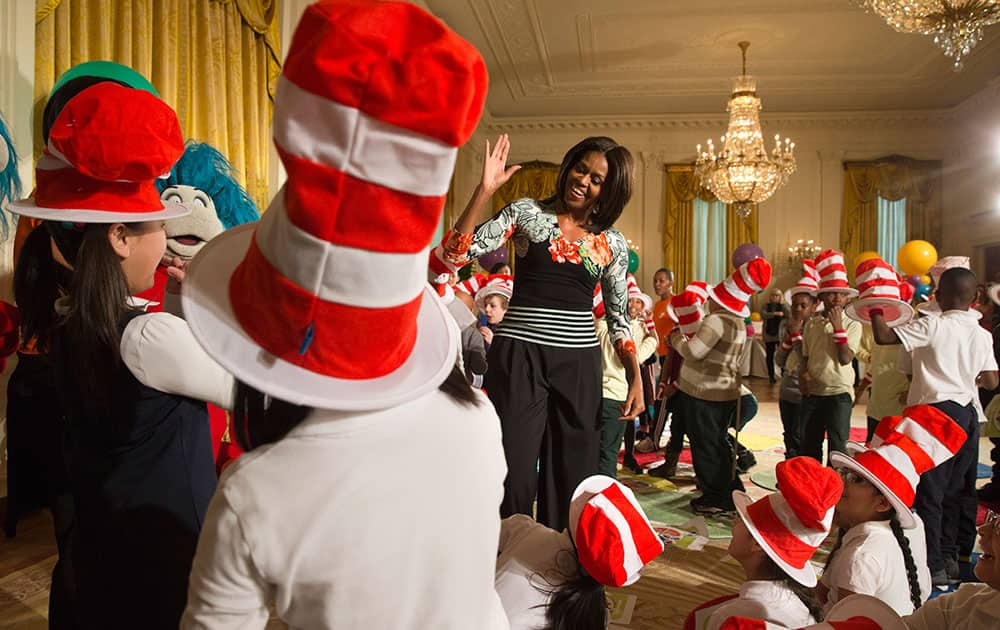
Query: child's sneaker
[703, 506]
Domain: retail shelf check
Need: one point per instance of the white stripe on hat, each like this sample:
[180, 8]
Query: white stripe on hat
[834, 274]
[337, 273]
[632, 562]
[344, 138]
[783, 511]
[900, 461]
[926, 440]
[734, 289]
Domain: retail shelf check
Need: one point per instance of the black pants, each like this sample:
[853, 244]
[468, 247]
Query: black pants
[770, 347]
[707, 424]
[678, 427]
[825, 416]
[791, 423]
[946, 495]
[612, 432]
[549, 403]
[872, 424]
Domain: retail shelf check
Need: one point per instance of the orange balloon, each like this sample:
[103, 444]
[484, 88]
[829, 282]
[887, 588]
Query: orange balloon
[915, 258]
[925, 279]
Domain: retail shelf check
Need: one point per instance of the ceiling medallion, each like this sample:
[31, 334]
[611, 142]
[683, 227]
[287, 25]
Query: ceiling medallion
[957, 25]
[743, 173]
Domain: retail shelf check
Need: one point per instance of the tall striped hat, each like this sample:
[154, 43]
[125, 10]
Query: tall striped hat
[372, 104]
[878, 283]
[734, 293]
[833, 273]
[686, 308]
[634, 292]
[792, 523]
[808, 283]
[903, 448]
[613, 537]
[598, 307]
[854, 612]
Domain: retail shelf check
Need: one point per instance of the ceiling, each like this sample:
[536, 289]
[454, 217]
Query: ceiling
[647, 57]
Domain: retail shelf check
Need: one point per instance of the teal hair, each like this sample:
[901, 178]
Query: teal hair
[10, 181]
[202, 166]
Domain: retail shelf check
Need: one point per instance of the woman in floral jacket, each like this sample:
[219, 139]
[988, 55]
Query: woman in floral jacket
[545, 360]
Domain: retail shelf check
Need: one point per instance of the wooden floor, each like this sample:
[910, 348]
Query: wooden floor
[670, 587]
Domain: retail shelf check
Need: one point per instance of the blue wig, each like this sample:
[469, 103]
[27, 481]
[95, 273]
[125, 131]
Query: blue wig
[202, 166]
[10, 181]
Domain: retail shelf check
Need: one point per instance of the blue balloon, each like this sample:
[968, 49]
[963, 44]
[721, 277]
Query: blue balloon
[922, 290]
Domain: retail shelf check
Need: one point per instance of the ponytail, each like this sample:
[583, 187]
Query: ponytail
[911, 566]
[577, 604]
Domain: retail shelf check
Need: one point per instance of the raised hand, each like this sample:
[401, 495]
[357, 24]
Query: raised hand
[496, 173]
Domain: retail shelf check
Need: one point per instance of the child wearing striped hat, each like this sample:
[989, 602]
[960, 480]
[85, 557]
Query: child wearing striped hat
[556, 580]
[492, 300]
[881, 548]
[801, 300]
[826, 374]
[857, 612]
[950, 355]
[708, 385]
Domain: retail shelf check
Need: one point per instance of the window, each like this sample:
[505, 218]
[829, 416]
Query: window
[891, 228]
[710, 255]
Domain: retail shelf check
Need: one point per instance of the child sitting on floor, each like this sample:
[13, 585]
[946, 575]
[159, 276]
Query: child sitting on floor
[774, 539]
[549, 580]
[880, 549]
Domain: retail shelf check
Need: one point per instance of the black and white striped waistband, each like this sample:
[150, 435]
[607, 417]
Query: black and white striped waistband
[549, 327]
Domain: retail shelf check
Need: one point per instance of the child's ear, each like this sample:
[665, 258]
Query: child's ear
[118, 238]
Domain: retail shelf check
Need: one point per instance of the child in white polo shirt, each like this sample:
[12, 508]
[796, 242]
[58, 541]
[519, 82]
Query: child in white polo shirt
[951, 355]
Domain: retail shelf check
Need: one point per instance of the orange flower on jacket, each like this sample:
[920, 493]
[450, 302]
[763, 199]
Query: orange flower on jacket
[564, 251]
[598, 249]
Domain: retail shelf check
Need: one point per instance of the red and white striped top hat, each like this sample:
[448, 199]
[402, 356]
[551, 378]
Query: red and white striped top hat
[808, 283]
[325, 301]
[613, 537]
[833, 273]
[930, 306]
[444, 290]
[878, 283]
[475, 282]
[107, 148]
[598, 307]
[634, 292]
[792, 523]
[686, 308]
[734, 293]
[499, 284]
[855, 612]
[903, 448]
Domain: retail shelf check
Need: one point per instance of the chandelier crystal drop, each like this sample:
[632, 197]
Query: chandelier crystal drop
[957, 25]
[742, 173]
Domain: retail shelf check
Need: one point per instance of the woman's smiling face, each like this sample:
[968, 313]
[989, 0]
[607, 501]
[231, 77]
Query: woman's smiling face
[583, 184]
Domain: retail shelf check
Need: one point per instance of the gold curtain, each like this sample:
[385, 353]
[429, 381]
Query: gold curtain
[891, 178]
[678, 230]
[216, 62]
[535, 180]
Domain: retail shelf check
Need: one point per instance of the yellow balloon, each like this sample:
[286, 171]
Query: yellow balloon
[915, 258]
[755, 316]
[862, 257]
[925, 279]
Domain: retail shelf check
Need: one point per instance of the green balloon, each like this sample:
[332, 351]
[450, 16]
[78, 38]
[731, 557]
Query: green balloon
[633, 261]
[107, 70]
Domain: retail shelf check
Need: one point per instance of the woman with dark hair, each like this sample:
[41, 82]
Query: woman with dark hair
[545, 361]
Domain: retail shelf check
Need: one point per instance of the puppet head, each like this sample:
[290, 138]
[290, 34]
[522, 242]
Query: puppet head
[10, 181]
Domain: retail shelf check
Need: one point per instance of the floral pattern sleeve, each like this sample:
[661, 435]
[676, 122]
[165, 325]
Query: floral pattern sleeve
[458, 250]
[615, 291]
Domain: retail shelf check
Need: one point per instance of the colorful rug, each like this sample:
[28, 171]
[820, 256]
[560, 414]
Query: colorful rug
[663, 502]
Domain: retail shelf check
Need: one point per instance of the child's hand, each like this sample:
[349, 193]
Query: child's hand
[176, 270]
[836, 316]
[487, 334]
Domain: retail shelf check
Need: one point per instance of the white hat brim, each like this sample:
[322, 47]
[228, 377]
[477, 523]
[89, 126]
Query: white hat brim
[897, 312]
[805, 576]
[746, 306]
[865, 606]
[903, 512]
[28, 208]
[487, 291]
[848, 291]
[209, 312]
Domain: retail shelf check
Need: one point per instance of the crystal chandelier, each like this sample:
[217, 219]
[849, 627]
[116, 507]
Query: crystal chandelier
[803, 249]
[742, 173]
[957, 25]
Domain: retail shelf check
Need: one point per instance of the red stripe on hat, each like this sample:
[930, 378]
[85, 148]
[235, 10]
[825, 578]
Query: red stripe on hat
[599, 547]
[367, 216]
[71, 190]
[789, 547]
[922, 462]
[414, 72]
[647, 543]
[939, 424]
[348, 342]
[881, 468]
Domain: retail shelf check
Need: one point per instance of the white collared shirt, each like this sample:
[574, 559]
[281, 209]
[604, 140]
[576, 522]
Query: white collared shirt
[948, 353]
[768, 600]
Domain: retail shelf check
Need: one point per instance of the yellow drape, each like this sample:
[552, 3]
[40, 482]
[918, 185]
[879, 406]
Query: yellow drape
[891, 178]
[216, 62]
[535, 180]
[678, 230]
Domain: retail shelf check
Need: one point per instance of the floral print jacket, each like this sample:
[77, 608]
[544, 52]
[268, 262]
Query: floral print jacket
[604, 255]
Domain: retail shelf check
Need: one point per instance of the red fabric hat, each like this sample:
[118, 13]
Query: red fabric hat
[735, 292]
[613, 537]
[833, 273]
[792, 523]
[373, 102]
[905, 289]
[879, 286]
[809, 283]
[686, 308]
[106, 149]
[634, 292]
[10, 332]
[498, 284]
[903, 448]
